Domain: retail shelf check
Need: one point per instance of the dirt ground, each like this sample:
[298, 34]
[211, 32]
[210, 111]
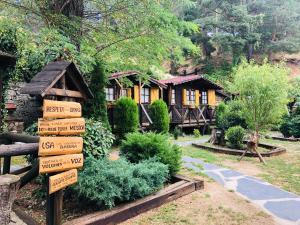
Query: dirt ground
[211, 206]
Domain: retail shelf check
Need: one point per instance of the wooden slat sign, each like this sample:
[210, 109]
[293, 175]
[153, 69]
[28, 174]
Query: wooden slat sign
[60, 163]
[61, 109]
[61, 127]
[60, 145]
[62, 180]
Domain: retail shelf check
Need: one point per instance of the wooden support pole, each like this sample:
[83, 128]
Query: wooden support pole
[6, 164]
[9, 186]
[54, 206]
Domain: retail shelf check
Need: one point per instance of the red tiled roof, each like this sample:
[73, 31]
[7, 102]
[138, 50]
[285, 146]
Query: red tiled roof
[180, 79]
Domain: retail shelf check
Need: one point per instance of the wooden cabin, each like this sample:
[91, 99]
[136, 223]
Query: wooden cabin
[192, 100]
[132, 84]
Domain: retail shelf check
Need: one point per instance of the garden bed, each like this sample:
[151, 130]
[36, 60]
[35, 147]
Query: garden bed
[270, 150]
[179, 187]
[285, 139]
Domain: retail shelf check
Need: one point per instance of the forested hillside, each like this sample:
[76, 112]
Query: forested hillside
[155, 37]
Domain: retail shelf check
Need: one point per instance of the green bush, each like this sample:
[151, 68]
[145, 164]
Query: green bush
[97, 139]
[196, 133]
[159, 115]
[126, 116]
[138, 147]
[290, 125]
[176, 133]
[110, 182]
[221, 110]
[235, 136]
[285, 126]
[234, 116]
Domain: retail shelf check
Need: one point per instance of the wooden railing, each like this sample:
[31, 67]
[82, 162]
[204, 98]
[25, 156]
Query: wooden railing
[203, 114]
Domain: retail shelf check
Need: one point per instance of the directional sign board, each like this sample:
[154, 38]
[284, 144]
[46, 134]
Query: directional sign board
[60, 163]
[61, 127]
[62, 180]
[60, 145]
[61, 109]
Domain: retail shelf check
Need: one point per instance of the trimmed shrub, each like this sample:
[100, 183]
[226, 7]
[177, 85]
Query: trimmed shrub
[196, 133]
[110, 182]
[235, 136]
[97, 139]
[290, 124]
[158, 111]
[221, 110]
[126, 116]
[176, 133]
[286, 125]
[138, 147]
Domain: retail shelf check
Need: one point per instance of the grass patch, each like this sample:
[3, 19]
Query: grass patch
[18, 160]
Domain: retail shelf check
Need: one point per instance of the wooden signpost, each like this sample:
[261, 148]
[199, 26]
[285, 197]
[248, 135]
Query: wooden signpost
[61, 109]
[60, 163]
[60, 145]
[60, 154]
[61, 126]
[62, 180]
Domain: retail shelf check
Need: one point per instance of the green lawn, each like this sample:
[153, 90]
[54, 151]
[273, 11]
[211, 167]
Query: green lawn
[282, 170]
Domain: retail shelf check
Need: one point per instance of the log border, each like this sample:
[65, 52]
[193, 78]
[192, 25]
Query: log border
[182, 186]
[274, 150]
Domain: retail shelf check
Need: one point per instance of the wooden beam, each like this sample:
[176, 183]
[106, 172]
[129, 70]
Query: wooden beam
[18, 149]
[20, 138]
[53, 82]
[65, 93]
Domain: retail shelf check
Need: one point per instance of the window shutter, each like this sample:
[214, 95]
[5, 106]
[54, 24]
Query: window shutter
[129, 92]
[136, 93]
[197, 97]
[211, 97]
[184, 97]
[154, 94]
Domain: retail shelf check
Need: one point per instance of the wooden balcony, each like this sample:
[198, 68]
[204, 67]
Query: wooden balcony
[186, 116]
[182, 116]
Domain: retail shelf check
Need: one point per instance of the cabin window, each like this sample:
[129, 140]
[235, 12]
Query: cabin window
[145, 95]
[190, 97]
[173, 97]
[204, 98]
[109, 94]
[124, 92]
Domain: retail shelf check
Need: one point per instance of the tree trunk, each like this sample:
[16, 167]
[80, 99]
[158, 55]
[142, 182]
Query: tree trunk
[9, 186]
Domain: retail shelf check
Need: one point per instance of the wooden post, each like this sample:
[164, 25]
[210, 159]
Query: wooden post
[54, 206]
[9, 186]
[6, 164]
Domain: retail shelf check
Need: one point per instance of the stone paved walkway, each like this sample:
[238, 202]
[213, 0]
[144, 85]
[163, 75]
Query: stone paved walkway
[282, 205]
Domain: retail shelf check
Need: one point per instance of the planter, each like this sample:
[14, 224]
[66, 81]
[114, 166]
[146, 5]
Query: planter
[274, 150]
[179, 187]
[286, 139]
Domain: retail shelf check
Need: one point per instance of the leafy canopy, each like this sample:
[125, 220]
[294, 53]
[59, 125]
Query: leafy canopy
[262, 91]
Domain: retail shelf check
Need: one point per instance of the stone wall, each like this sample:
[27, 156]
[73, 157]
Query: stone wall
[28, 108]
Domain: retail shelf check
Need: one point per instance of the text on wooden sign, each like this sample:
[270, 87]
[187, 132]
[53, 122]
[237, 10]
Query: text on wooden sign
[61, 109]
[60, 163]
[60, 145]
[61, 127]
[62, 180]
